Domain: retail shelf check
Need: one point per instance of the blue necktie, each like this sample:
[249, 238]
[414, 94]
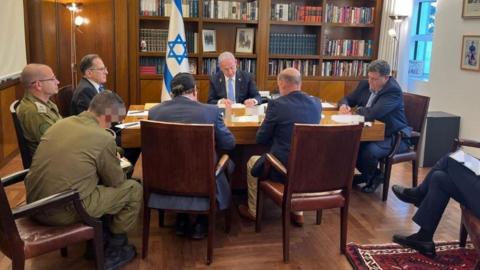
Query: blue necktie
[230, 93]
[101, 88]
[370, 100]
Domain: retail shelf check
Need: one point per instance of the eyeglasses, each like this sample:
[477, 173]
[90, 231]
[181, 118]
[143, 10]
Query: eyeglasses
[45, 80]
[103, 69]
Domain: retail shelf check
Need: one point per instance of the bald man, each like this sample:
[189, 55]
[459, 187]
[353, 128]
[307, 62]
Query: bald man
[36, 111]
[294, 106]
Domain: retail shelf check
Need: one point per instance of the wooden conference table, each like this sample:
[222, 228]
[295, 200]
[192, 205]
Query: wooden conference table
[245, 133]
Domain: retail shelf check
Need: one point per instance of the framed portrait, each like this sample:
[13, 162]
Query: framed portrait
[209, 40]
[471, 9]
[470, 53]
[245, 40]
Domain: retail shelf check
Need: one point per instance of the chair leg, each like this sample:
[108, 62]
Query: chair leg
[258, 224]
[211, 232]
[286, 234]
[414, 173]
[386, 180]
[146, 231]
[18, 262]
[319, 216]
[228, 218]
[463, 235]
[161, 218]
[98, 246]
[343, 229]
[64, 252]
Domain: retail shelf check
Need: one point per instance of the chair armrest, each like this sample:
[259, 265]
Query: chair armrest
[51, 201]
[276, 164]
[398, 139]
[464, 142]
[221, 165]
[14, 178]
[415, 135]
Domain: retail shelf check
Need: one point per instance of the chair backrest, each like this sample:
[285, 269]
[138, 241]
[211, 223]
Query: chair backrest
[322, 158]
[10, 241]
[416, 108]
[178, 158]
[22, 142]
[64, 98]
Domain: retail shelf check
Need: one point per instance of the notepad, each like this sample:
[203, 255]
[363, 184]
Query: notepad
[467, 160]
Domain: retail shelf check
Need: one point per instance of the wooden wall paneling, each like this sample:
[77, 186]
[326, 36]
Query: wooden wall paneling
[8, 140]
[150, 91]
[350, 86]
[121, 49]
[331, 91]
[203, 85]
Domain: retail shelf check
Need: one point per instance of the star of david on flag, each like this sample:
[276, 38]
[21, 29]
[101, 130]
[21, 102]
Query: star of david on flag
[176, 59]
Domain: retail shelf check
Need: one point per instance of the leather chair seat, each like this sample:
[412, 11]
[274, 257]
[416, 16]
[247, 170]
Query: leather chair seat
[40, 239]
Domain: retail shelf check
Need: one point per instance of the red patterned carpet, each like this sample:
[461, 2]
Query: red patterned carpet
[392, 256]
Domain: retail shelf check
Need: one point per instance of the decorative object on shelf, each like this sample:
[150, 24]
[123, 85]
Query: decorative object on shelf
[245, 40]
[395, 33]
[75, 23]
[209, 40]
[471, 9]
[470, 53]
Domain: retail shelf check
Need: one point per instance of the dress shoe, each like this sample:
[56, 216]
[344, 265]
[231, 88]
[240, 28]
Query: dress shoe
[373, 184]
[117, 240]
[297, 219]
[116, 257]
[406, 195]
[182, 225]
[426, 248]
[245, 213]
[199, 230]
[358, 179]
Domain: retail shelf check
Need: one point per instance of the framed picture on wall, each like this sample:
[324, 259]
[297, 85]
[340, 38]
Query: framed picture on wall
[471, 9]
[244, 41]
[209, 40]
[470, 53]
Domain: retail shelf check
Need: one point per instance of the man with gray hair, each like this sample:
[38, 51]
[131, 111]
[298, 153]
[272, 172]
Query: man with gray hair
[230, 85]
[378, 98]
[78, 153]
[294, 106]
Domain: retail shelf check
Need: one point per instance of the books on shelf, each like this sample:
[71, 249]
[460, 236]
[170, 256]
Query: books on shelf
[347, 14]
[348, 47]
[296, 12]
[306, 67]
[233, 10]
[155, 40]
[339, 68]
[151, 65]
[291, 43]
[164, 7]
[210, 65]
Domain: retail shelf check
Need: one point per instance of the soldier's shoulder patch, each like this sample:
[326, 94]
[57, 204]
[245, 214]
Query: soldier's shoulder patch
[41, 108]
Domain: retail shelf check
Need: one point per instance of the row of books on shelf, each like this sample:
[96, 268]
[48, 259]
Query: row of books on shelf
[156, 65]
[347, 14]
[234, 10]
[164, 8]
[210, 66]
[155, 40]
[296, 12]
[306, 67]
[348, 47]
[291, 43]
[344, 68]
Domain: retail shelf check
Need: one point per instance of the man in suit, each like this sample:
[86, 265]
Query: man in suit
[36, 112]
[379, 98]
[294, 106]
[184, 108]
[94, 76]
[230, 85]
[447, 179]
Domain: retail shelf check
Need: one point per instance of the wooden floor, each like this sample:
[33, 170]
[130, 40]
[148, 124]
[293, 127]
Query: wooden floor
[312, 246]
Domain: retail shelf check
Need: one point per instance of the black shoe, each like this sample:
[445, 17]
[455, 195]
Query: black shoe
[116, 257]
[406, 195]
[117, 240]
[426, 248]
[373, 184]
[182, 225]
[358, 179]
[199, 230]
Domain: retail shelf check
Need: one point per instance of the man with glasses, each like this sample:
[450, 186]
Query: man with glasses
[379, 98]
[36, 111]
[94, 77]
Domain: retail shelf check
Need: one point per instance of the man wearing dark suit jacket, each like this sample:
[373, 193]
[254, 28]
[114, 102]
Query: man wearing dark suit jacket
[94, 76]
[184, 108]
[379, 98]
[294, 106]
[230, 85]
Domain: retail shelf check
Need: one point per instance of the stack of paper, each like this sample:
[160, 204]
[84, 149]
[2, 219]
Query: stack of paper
[348, 118]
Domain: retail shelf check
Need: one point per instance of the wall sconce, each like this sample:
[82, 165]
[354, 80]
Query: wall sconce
[75, 22]
[395, 34]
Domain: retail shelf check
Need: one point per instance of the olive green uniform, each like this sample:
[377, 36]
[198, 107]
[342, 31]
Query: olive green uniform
[75, 154]
[35, 118]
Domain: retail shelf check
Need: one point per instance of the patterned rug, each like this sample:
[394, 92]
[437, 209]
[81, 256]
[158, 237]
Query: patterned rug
[392, 256]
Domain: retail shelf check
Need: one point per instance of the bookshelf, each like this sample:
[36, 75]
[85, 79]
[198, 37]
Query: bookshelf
[330, 41]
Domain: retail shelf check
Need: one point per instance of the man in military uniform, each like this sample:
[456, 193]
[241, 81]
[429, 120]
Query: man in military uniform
[78, 153]
[36, 111]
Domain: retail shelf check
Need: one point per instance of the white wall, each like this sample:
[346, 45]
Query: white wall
[451, 89]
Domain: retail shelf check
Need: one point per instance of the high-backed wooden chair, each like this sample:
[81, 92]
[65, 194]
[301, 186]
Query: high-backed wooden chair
[25, 152]
[64, 98]
[416, 108]
[319, 176]
[179, 160]
[22, 238]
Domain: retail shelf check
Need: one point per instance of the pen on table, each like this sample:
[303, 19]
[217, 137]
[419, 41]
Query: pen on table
[131, 124]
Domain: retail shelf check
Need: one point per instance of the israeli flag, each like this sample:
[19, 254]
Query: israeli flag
[176, 57]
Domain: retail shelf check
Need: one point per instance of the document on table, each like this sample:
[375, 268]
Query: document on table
[246, 119]
[137, 113]
[348, 118]
[128, 125]
[467, 160]
[328, 105]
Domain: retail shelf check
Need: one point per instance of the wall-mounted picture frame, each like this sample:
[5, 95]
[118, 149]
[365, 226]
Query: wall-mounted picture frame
[209, 40]
[471, 9]
[245, 40]
[470, 53]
